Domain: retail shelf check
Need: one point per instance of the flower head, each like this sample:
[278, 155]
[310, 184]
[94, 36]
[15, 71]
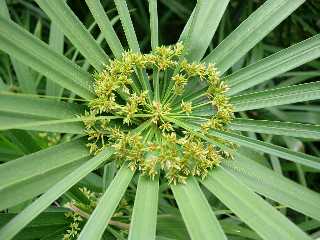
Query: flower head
[144, 119]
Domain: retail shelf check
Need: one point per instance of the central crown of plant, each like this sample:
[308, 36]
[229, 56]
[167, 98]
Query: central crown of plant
[143, 101]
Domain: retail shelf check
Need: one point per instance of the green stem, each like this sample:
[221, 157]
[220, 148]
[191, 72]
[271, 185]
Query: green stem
[156, 84]
[143, 78]
[201, 105]
[164, 85]
[187, 116]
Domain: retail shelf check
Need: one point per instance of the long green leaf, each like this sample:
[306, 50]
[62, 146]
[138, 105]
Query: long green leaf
[61, 14]
[253, 210]
[277, 128]
[39, 163]
[46, 219]
[154, 32]
[153, 11]
[108, 203]
[56, 42]
[274, 65]
[106, 27]
[269, 148]
[132, 40]
[31, 51]
[39, 205]
[172, 226]
[144, 216]
[19, 142]
[35, 106]
[127, 25]
[26, 80]
[272, 185]
[29, 122]
[250, 32]
[196, 211]
[36, 185]
[205, 25]
[4, 12]
[277, 96]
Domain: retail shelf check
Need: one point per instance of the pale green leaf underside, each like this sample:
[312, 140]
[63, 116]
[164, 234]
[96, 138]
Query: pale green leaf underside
[39, 205]
[144, 216]
[253, 210]
[107, 204]
[250, 32]
[196, 211]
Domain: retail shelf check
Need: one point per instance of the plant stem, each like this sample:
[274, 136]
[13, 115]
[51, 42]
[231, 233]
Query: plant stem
[86, 215]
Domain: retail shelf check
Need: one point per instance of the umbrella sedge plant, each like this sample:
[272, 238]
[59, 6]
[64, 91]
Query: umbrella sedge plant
[172, 120]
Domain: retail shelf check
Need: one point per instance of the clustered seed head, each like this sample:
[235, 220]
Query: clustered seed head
[123, 93]
[77, 221]
[80, 211]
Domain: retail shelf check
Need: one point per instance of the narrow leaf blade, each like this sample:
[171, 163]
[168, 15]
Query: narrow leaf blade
[108, 203]
[60, 13]
[39, 205]
[144, 216]
[274, 65]
[277, 128]
[36, 54]
[277, 96]
[258, 214]
[196, 211]
[205, 25]
[272, 185]
[250, 32]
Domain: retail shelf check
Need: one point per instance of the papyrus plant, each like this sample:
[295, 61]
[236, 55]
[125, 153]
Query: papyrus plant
[173, 115]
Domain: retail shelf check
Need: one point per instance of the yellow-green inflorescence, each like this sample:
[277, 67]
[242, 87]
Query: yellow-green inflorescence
[143, 101]
[79, 213]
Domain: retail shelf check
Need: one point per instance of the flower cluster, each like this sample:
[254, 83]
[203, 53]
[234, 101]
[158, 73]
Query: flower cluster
[81, 211]
[137, 116]
[74, 228]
